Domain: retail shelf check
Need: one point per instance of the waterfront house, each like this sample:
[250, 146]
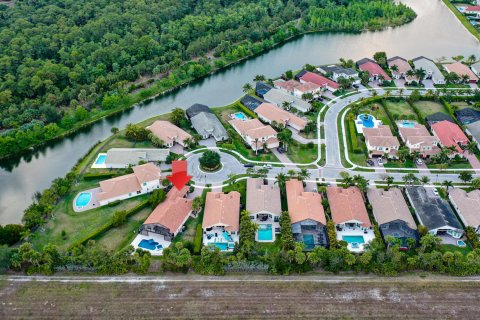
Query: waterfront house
[307, 215]
[380, 141]
[169, 133]
[286, 86]
[402, 67]
[467, 205]
[473, 10]
[431, 70]
[461, 70]
[256, 134]
[350, 217]
[376, 73]
[449, 134]
[118, 158]
[392, 214]
[207, 125]
[196, 109]
[319, 80]
[251, 103]
[467, 116]
[435, 214]
[473, 129]
[336, 72]
[279, 97]
[268, 113]
[144, 179]
[261, 88]
[221, 220]
[417, 138]
[264, 208]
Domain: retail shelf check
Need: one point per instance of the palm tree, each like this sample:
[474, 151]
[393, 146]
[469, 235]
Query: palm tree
[280, 179]
[389, 180]
[420, 73]
[247, 87]
[415, 155]
[465, 78]
[347, 180]
[471, 59]
[394, 68]
[291, 173]
[409, 178]
[303, 174]
[256, 146]
[447, 184]
[259, 77]
[286, 105]
[471, 147]
[424, 180]
[400, 92]
[197, 204]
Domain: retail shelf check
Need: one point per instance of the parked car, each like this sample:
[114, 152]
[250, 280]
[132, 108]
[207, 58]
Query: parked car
[248, 165]
[356, 86]
[419, 162]
[380, 161]
[281, 149]
[435, 192]
[370, 163]
[267, 166]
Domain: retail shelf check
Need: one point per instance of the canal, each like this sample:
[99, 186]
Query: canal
[435, 33]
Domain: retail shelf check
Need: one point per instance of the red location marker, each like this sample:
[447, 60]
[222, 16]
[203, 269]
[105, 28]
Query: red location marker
[179, 176]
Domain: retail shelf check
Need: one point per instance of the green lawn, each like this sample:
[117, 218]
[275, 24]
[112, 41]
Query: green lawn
[461, 105]
[454, 165]
[401, 110]
[399, 164]
[427, 108]
[241, 187]
[376, 109]
[301, 153]
[452, 248]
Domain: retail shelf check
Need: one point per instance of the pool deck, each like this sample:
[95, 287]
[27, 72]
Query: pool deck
[367, 237]
[93, 200]
[274, 226]
[157, 237]
[219, 238]
[359, 123]
[100, 165]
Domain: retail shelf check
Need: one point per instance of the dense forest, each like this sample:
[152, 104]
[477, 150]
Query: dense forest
[64, 63]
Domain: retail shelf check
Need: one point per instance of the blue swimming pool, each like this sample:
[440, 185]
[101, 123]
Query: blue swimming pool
[407, 124]
[265, 232]
[240, 116]
[149, 244]
[366, 120]
[223, 246]
[353, 239]
[101, 159]
[83, 199]
[227, 237]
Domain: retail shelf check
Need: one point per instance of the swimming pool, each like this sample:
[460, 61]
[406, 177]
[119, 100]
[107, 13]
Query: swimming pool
[265, 232]
[366, 120]
[83, 199]
[223, 246]
[407, 124]
[353, 239]
[461, 243]
[240, 116]
[150, 244]
[101, 159]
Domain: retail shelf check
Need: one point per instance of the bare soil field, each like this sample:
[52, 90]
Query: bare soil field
[252, 298]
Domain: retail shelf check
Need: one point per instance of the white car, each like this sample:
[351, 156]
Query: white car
[435, 192]
[380, 161]
[267, 166]
[419, 162]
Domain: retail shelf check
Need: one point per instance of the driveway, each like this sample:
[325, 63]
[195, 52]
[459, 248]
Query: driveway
[210, 142]
[297, 137]
[230, 165]
[473, 161]
[283, 157]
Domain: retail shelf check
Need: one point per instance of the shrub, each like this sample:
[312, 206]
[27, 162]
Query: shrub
[210, 159]
[157, 197]
[11, 234]
[119, 218]
[197, 243]
[98, 176]
[114, 203]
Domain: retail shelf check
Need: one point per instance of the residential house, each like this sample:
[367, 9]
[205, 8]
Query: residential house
[401, 70]
[169, 216]
[376, 73]
[207, 125]
[431, 70]
[286, 86]
[255, 133]
[417, 138]
[380, 141]
[467, 205]
[117, 158]
[221, 220]
[476, 68]
[278, 97]
[267, 112]
[438, 117]
[350, 217]
[472, 10]
[144, 179]
[473, 129]
[336, 72]
[450, 135]
[435, 214]
[196, 109]
[393, 215]
[169, 133]
[319, 80]
[467, 115]
[461, 70]
[307, 215]
[261, 88]
[251, 103]
[264, 207]
[307, 87]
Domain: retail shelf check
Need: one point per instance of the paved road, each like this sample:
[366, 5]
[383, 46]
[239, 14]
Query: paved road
[230, 166]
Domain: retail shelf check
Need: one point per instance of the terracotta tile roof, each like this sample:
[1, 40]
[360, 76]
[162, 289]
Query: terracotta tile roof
[468, 204]
[263, 197]
[222, 210]
[173, 211]
[347, 205]
[319, 80]
[253, 128]
[389, 206]
[129, 183]
[373, 68]
[460, 69]
[450, 134]
[307, 87]
[402, 65]
[273, 113]
[168, 132]
[380, 137]
[472, 8]
[288, 85]
[304, 205]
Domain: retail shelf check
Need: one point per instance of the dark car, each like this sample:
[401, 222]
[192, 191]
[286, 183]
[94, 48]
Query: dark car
[356, 86]
[281, 149]
[370, 163]
[248, 165]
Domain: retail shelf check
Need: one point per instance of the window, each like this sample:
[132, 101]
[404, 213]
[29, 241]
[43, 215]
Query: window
[144, 184]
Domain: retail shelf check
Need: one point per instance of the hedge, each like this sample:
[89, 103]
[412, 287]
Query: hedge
[96, 176]
[107, 226]
[247, 111]
[197, 242]
[353, 136]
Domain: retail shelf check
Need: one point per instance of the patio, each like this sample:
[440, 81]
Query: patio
[92, 204]
[353, 232]
[220, 238]
[156, 249]
[264, 221]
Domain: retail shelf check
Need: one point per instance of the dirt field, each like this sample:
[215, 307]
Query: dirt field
[195, 298]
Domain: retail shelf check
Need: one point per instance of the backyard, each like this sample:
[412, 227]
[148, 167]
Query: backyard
[400, 110]
[427, 108]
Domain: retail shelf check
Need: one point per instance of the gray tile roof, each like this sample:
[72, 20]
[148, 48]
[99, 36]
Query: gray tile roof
[132, 156]
[467, 115]
[277, 97]
[474, 129]
[207, 124]
[196, 109]
[429, 66]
